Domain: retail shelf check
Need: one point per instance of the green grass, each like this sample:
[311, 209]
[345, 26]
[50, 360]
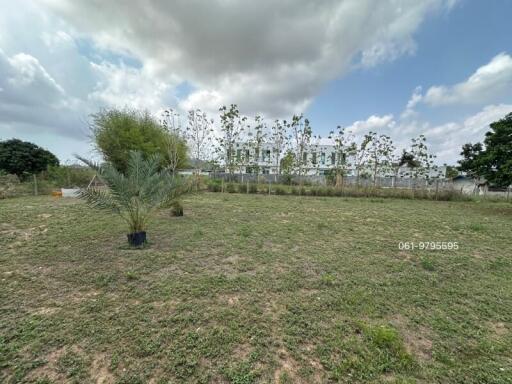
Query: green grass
[257, 289]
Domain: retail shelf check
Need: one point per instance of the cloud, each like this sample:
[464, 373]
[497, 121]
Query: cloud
[122, 86]
[488, 82]
[373, 123]
[269, 57]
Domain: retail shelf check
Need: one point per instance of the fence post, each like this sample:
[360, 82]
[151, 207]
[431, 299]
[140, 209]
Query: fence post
[508, 192]
[35, 184]
[437, 187]
[247, 186]
[269, 185]
[222, 185]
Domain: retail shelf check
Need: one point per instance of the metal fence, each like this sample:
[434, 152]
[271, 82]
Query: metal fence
[349, 181]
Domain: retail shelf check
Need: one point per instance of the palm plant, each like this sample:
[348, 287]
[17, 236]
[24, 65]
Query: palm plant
[136, 194]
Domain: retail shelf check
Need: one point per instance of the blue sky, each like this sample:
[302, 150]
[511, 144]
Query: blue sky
[449, 49]
[401, 67]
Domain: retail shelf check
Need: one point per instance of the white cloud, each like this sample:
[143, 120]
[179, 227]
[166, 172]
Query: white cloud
[122, 86]
[373, 123]
[269, 57]
[488, 82]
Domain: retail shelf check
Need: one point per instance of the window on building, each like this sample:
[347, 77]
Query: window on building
[247, 155]
[313, 158]
[256, 154]
[268, 155]
[238, 154]
[333, 158]
[305, 157]
[322, 158]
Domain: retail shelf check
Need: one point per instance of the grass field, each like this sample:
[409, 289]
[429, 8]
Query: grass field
[249, 288]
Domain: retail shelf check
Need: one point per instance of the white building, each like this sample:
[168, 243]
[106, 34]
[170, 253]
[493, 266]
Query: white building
[318, 158]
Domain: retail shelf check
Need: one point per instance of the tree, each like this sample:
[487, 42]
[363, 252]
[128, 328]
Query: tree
[471, 160]
[21, 157]
[418, 158]
[257, 138]
[135, 194]
[199, 135]
[344, 148]
[118, 132]
[301, 133]
[380, 153]
[361, 157]
[495, 162]
[232, 127]
[279, 137]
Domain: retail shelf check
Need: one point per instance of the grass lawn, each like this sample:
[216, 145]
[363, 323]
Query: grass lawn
[248, 288]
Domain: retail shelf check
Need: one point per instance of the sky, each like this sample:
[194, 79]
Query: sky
[396, 67]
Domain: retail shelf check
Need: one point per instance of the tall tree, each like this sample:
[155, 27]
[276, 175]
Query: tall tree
[301, 133]
[21, 157]
[199, 135]
[344, 149]
[418, 158]
[498, 152]
[279, 138]
[380, 153]
[232, 128]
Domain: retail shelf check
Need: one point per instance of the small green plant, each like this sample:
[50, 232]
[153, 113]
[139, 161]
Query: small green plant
[253, 188]
[279, 190]
[231, 188]
[242, 188]
[177, 208]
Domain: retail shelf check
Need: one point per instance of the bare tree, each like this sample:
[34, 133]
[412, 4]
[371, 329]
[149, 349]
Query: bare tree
[380, 154]
[279, 137]
[344, 149]
[301, 134]
[199, 136]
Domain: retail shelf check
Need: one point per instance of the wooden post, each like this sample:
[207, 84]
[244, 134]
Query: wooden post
[437, 187]
[247, 187]
[35, 184]
[269, 186]
[222, 185]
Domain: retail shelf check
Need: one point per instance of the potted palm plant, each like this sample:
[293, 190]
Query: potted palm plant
[136, 194]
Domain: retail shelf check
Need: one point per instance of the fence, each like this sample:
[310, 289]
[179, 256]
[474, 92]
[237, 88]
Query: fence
[349, 181]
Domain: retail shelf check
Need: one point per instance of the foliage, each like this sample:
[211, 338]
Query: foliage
[199, 134]
[344, 149]
[68, 176]
[136, 194]
[8, 184]
[118, 132]
[21, 157]
[177, 208]
[301, 135]
[232, 127]
[418, 158]
[495, 161]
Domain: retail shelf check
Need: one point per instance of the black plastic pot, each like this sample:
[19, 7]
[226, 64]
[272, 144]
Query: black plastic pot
[136, 239]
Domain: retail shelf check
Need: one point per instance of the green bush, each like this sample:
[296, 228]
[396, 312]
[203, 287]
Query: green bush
[279, 190]
[231, 188]
[176, 208]
[242, 188]
[253, 188]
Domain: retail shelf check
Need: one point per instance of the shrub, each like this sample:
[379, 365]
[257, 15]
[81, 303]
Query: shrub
[8, 184]
[279, 190]
[242, 188]
[294, 191]
[231, 188]
[176, 208]
[253, 188]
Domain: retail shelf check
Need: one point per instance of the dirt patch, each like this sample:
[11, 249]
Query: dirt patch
[417, 341]
[45, 311]
[242, 351]
[498, 328]
[99, 371]
[229, 299]
[50, 369]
